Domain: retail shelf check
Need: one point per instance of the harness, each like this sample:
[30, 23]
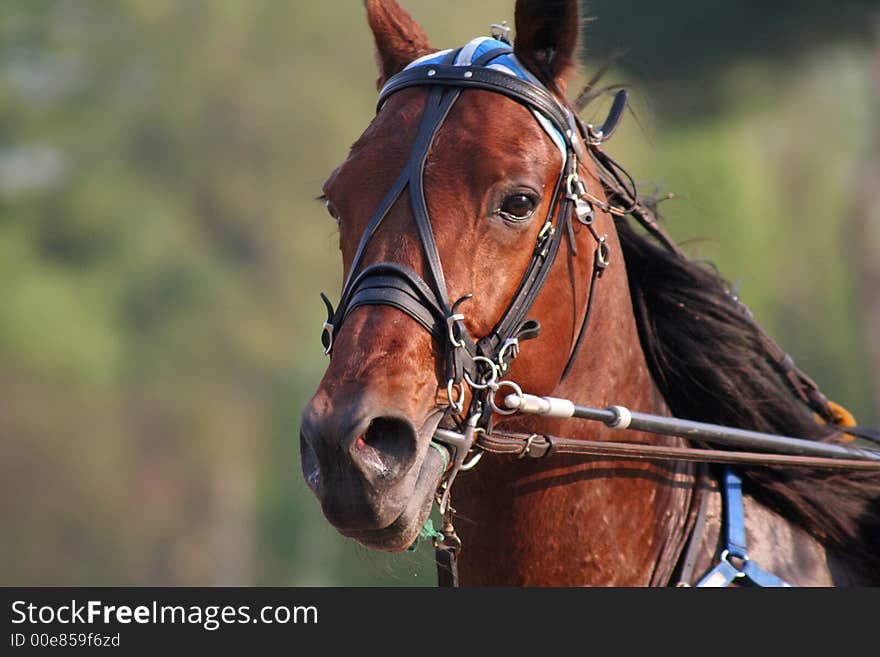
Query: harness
[486, 64]
[735, 544]
[489, 64]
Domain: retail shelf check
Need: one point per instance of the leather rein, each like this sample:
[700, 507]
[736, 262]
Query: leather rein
[539, 446]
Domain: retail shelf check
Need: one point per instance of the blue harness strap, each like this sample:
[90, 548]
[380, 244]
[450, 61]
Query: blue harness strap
[725, 572]
[734, 515]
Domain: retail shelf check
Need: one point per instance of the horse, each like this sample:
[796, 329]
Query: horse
[484, 231]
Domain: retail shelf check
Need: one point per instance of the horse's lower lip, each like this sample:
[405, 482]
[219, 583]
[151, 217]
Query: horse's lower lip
[401, 533]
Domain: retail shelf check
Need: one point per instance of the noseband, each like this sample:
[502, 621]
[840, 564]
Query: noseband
[477, 362]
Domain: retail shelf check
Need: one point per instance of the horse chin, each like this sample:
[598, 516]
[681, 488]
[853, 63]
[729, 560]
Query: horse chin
[402, 533]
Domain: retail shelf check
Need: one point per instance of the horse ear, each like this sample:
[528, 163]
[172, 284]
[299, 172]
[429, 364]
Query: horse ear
[399, 38]
[546, 38]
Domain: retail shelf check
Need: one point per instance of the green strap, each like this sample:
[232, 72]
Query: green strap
[443, 452]
[427, 532]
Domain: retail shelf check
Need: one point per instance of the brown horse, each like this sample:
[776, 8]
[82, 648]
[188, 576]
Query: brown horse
[662, 335]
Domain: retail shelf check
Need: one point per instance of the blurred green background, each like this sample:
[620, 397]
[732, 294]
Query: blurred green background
[161, 254]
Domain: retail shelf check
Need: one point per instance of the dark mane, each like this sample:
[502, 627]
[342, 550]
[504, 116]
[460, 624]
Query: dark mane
[708, 361]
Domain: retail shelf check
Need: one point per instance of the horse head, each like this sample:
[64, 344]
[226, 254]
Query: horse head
[442, 205]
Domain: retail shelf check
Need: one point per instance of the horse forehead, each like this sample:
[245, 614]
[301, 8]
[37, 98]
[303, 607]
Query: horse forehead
[489, 125]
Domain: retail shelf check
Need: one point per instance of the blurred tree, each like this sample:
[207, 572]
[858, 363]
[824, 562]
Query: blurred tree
[671, 46]
[867, 232]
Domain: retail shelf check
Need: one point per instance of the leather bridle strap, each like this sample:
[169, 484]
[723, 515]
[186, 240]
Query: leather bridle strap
[695, 526]
[447, 568]
[436, 109]
[542, 446]
[479, 77]
[395, 285]
[546, 250]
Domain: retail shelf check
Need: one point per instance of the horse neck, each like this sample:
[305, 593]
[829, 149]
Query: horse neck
[570, 520]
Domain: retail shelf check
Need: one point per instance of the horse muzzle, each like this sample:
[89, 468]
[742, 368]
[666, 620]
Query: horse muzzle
[370, 468]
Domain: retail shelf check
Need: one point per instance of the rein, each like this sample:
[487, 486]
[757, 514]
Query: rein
[539, 446]
[794, 452]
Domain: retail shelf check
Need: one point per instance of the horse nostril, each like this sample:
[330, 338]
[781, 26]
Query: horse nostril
[388, 446]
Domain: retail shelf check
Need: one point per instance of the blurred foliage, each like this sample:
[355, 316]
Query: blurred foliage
[161, 254]
[665, 46]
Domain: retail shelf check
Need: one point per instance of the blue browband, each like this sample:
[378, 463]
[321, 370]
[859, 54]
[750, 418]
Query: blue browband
[490, 53]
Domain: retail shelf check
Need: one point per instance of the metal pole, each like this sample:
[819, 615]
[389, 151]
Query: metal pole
[620, 417]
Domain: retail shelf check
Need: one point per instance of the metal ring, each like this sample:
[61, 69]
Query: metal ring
[596, 136]
[603, 252]
[328, 331]
[498, 409]
[492, 380]
[450, 323]
[457, 405]
[450, 542]
[725, 554]
[473, 461]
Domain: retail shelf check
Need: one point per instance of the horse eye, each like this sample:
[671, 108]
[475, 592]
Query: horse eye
[331, 210]
[518, 207]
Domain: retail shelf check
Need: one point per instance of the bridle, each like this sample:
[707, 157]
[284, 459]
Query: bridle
[479, 363]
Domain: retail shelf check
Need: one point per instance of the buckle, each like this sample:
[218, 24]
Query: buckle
[513, 345]
[576, 189]
[500, 32]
